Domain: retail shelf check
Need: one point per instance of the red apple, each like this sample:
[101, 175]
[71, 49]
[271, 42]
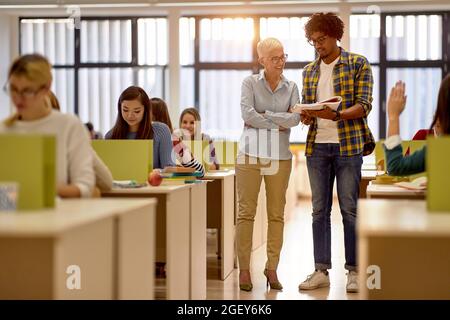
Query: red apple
[155, 178]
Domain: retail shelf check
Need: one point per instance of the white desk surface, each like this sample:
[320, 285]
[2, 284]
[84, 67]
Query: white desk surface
[380, 217]
[219, 174]
[391, 190]
[370, 174]
[66, 215]
[162, 189]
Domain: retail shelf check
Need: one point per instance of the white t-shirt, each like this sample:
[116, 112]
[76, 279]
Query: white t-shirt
[74, 157]
[326, 129]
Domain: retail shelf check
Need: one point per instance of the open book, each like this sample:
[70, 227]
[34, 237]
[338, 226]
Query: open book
[417, 184]
[332, 102]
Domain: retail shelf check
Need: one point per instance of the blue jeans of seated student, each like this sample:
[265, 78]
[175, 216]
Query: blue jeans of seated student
[324, 165]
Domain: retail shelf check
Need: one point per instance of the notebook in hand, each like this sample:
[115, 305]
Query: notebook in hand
[332, 103]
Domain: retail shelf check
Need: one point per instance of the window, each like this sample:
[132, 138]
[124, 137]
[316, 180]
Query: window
[53, 38]
[414, 38]
[93, 65]
[422, 86]
[365, 40]
[226, 40]
[226, 54]
[109, 61]
[414, 51]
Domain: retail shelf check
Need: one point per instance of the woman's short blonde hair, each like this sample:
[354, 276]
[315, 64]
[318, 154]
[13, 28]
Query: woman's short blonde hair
[266, 45]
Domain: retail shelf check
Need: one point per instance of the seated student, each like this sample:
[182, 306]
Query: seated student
[397, 164]
[94, 134]
[103, 176]
[190, 130]
[160, 112]
[134, 121]
[29, 82]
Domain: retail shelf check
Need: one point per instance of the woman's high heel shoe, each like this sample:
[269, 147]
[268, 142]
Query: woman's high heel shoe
[276, 285]
[246, 286]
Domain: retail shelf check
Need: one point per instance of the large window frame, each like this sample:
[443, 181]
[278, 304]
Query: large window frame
[443, 63]
[77, 65]
[383, 64]
[253, 66]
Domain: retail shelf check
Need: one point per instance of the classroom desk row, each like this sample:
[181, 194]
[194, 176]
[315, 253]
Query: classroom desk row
[176, 236]
[180, 235]
[81, 249]
[177, 233]
[404, 249]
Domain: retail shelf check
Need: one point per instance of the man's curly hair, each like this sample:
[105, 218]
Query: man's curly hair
[328, 23]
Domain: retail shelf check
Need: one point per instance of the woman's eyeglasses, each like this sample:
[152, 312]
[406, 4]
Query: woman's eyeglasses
[26, 93]
[276, 60]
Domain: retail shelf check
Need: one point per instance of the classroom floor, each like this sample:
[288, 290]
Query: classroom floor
[296, 263]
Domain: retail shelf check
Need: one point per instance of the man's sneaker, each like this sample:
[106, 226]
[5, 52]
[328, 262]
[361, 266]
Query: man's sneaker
[317, 279]
[352, 282]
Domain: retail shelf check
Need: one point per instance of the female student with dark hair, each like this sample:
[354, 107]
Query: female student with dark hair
[397, 164]
[160, 112]
[134, 121]
[29, 82]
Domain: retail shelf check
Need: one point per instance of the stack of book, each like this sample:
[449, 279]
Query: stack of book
[179, 175]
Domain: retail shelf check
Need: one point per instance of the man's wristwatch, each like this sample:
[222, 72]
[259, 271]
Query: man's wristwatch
[338, 115]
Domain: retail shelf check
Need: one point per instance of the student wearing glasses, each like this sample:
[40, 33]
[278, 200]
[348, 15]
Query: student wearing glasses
[264, 153]
[29, 82]
[337, 140]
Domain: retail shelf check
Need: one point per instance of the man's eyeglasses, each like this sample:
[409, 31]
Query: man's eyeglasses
[26, 93]
[275, 60]
[319, 41]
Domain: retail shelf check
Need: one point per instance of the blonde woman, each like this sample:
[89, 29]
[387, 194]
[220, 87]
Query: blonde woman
[29, 82]
[264, 153]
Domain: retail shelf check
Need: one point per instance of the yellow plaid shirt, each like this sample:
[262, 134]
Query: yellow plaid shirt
[353, 81]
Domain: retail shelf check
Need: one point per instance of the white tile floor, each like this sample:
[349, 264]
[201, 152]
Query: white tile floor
[296, 263]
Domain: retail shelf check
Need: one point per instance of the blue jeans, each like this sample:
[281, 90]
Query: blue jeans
[324, 165]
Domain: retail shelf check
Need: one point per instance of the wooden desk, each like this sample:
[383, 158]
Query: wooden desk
[390, 191]
[366, 177]
[37, 247]
[409, 244]
[221, 215]
[180, 235]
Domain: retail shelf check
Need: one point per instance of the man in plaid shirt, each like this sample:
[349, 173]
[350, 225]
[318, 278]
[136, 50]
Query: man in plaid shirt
[337, 141]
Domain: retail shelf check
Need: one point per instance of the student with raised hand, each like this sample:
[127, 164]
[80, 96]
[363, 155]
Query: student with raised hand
[397, 163]
[160, 112]
[134, 121]
[29, 82]
[265, 101]
[190, 129]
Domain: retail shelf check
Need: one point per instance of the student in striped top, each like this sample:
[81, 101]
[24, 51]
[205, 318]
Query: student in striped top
[29, 82]
[134, 121]
[160, 112]
[190, 129]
